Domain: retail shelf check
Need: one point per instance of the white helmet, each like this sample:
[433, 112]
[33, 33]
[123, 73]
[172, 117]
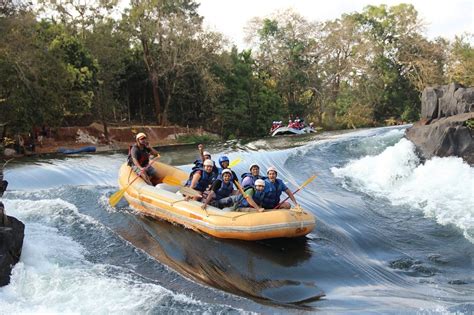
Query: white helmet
[206, 153]
[252, 165]
[226, 170]
[272, 168]
[260, 182]
[208, 163]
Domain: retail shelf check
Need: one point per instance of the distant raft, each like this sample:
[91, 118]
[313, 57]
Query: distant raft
[88, 149]
[163, 202]
[292, 131]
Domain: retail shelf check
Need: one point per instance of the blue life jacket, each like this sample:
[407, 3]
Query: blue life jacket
[225, 190]
[252, 179]
[199, 164]
[205, 180]
[232, 177]
[257, 196]
[272, 193]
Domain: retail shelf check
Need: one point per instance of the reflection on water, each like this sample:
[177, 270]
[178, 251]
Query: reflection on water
[257, 269]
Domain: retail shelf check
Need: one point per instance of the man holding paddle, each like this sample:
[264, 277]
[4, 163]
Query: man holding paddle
[139, 159]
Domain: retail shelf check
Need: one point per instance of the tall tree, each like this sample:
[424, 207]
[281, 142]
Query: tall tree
[287, 51]
[385, 30]
[45, 73]
[168, 32]
[460, 65]
[249, 103]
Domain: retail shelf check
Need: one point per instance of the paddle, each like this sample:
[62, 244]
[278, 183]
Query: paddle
[235, 162]
[188, 191]
[239, 187]
[115, 198]
[246, 196]
[309, 180]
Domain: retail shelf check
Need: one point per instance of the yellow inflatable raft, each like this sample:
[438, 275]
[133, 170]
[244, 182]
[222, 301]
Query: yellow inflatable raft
[164, 202]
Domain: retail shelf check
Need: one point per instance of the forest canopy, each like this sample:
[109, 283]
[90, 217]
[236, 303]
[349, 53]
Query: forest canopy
[156, 63]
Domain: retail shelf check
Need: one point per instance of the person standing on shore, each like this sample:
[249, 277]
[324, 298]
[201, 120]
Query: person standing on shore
[139, 159]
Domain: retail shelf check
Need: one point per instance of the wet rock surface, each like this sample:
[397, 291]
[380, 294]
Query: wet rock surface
[11, 237]
[445, 128]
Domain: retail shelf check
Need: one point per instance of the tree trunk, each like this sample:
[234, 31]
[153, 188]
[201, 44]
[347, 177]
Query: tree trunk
[156, 96]
[106, 132]
[170, 91]
[153, 78]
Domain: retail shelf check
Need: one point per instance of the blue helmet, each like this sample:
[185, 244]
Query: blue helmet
[223, 159]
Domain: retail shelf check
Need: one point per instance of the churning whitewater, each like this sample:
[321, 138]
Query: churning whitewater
[394, 234]
[443, 188]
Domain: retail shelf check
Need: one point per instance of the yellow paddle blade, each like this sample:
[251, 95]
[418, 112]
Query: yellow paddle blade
[309, 180]
[115, 198]
[235, 162]
[170, 180]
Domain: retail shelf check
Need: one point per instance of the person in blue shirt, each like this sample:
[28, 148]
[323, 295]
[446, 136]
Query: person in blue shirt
[273, 189]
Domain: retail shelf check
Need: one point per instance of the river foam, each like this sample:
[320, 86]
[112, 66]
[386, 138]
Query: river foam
[54, 275]
[443, 188]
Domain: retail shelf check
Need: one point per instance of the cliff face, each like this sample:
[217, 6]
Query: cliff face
[11, 238]
[445, 128]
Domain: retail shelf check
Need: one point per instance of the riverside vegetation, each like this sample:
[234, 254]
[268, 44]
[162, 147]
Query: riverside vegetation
[62, 61]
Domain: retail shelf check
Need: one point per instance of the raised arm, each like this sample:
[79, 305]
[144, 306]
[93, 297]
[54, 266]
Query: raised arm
[201, 151]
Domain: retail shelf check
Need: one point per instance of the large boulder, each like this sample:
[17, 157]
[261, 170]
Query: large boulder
[444, 129]
[12, 232]
[429, 102]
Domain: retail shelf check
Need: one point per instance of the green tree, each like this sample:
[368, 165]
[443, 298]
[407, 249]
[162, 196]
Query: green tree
[168, 32]
[45, 73]
[386, 30]
[110, 48]
[460, 65]
[286, 50]
[249, 103]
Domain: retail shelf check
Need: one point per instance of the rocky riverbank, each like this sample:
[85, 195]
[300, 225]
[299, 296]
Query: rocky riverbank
[118, 138]
[447, 122]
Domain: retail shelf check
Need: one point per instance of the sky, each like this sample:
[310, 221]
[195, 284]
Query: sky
[441, 18]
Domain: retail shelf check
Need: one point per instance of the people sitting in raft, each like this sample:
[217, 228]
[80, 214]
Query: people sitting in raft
[254, 196]
[224, 163]
[200, 179]
[222, 193]
[139, 159]
[273, 189]
[248, 179]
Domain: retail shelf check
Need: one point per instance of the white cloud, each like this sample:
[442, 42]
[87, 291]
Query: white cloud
[230, 17]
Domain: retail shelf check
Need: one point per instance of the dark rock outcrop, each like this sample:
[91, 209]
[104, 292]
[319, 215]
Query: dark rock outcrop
[11, 243]
[443, 129]
[12, 232]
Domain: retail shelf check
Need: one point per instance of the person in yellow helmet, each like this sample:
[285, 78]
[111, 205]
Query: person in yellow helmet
[139, 159]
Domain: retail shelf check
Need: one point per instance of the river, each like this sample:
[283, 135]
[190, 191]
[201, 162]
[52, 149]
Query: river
[393, 235]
